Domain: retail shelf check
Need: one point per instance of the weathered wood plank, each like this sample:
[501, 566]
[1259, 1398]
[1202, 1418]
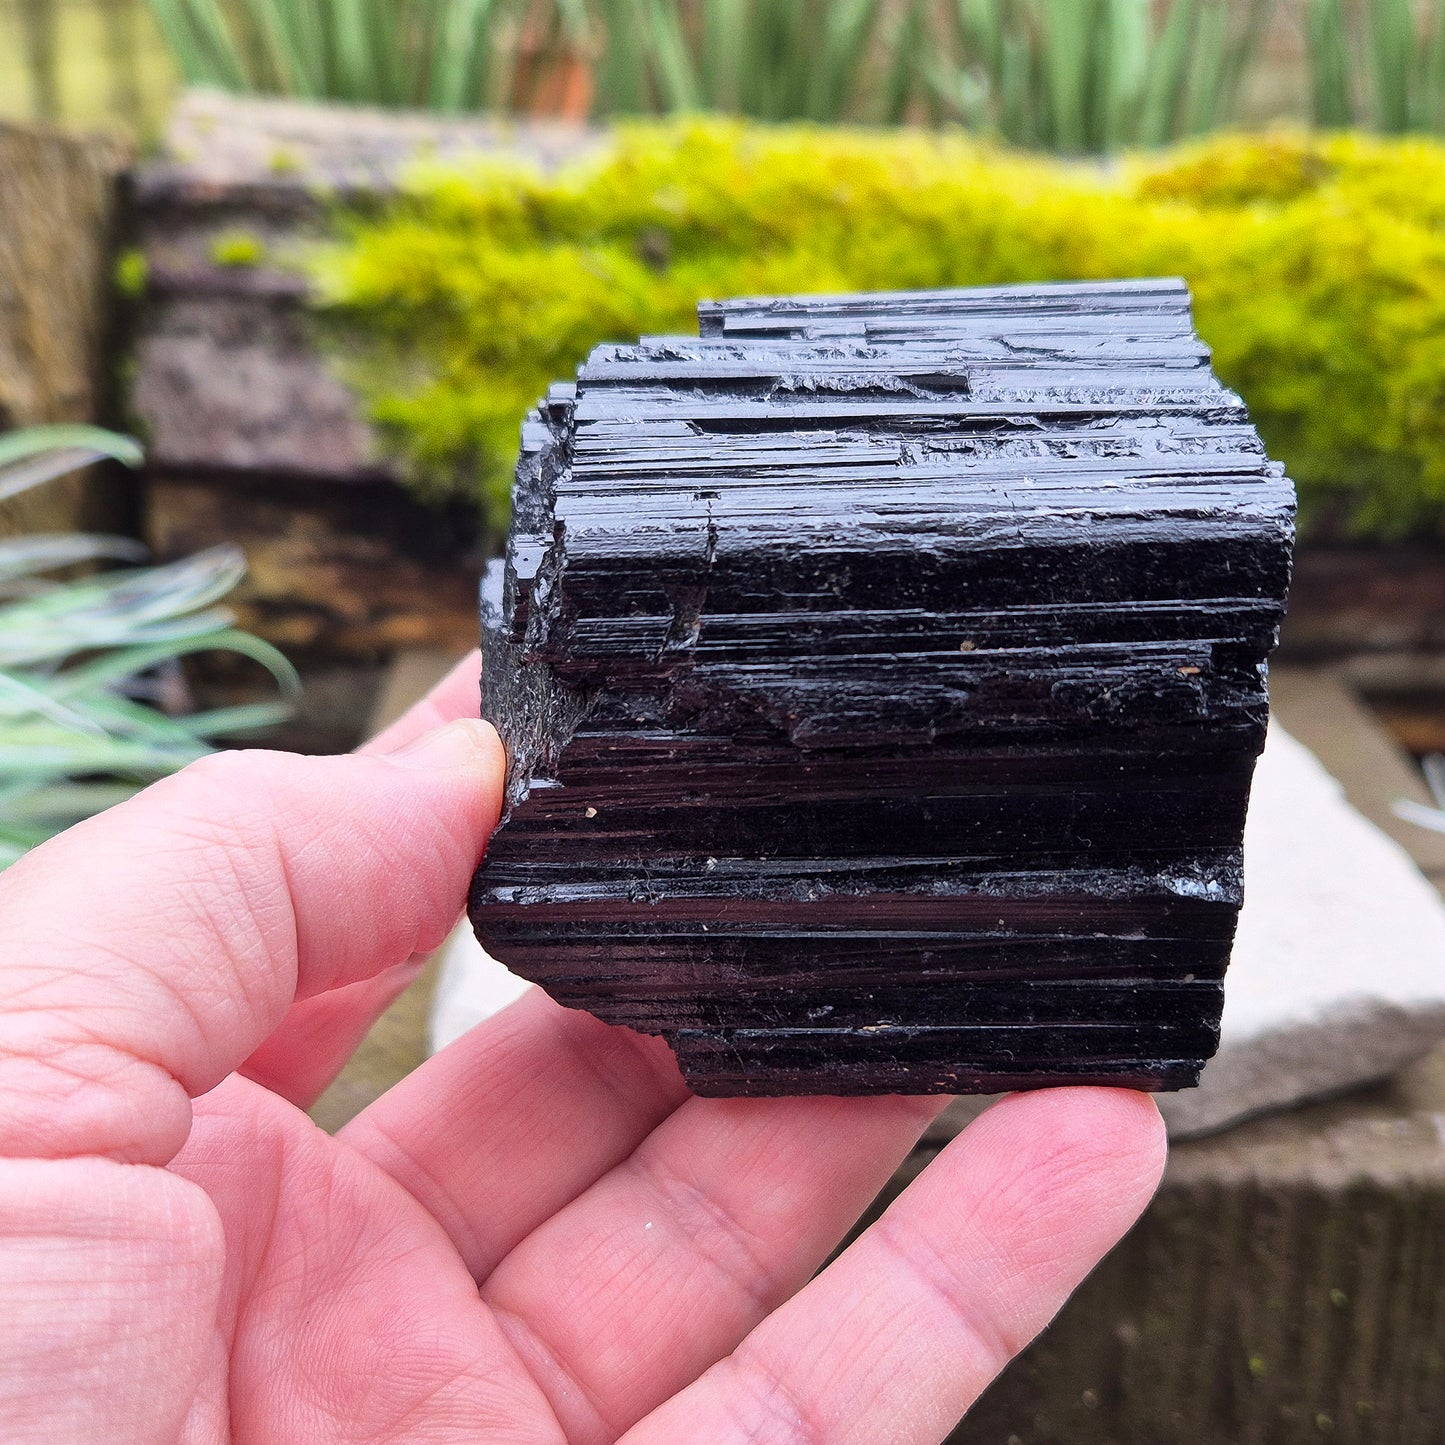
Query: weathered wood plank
[58, 205]
[351, 572]
[253, 434]
[1355, 599]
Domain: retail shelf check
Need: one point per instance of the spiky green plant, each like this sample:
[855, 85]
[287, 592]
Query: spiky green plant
[447, 55]
[79, 657]
[1093, 76]
[1072, 75]
[774, 59]
[1380, 65]
[770, 59]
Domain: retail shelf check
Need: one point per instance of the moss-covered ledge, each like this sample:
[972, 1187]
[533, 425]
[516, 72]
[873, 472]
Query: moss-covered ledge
[1317, 265]
[253, 432]
[342, 315]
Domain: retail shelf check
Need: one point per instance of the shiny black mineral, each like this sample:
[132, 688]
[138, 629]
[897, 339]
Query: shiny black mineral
[882, 677]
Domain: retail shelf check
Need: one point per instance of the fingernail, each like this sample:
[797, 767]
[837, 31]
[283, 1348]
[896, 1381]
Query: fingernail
[462, 743]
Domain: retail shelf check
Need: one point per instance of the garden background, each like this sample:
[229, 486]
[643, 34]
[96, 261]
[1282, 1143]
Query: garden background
[319, 257]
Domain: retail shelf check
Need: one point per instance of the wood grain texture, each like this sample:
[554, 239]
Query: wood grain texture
[336, 573]
[58, 206]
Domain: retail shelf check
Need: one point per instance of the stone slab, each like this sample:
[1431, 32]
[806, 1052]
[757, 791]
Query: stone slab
[1338, 974]
[1321, 708]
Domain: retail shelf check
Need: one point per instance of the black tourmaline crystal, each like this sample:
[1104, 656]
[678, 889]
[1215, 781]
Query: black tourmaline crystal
[882, 677]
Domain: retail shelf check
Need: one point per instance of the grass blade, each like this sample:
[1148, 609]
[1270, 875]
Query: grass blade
[460, 41]
[1160, 112]
[39, 454]
[1392, 41]
[202, 43]
[724, 37]
[126, 662]
[351, 60]
[60, 805]
[1206, 89]
[26, 557]
[1330, 92]
[673, 65]
[1242, 50]
[909, 41]
[1431, 107]
[251, 717]
[852, 38]
[1120, 72]
[1066, 56]
[71, 740]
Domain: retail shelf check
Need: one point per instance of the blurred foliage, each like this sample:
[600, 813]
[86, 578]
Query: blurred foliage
[235, 248]
[1082, 76]
[1379, 64]
[446, 55]
[1079, 76]
[1069, 75]
[1317, 265]
[84, 659]
[131, 273]
[1075, 75]
[770, 59]
[84, 62]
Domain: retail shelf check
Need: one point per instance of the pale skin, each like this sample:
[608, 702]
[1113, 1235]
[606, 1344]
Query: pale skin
[539, 1236]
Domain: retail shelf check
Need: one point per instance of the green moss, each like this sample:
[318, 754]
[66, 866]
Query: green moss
[1317, 264]
[131, 273]
[237, 248]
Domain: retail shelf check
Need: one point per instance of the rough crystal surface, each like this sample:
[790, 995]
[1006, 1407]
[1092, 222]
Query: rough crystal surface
[882, 678]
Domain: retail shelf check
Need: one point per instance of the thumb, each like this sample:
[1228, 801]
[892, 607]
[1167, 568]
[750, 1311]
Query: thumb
[147, 952]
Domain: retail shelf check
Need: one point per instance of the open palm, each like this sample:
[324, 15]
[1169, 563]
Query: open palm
[539, 1236]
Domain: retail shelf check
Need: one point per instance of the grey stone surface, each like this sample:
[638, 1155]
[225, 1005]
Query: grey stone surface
[1338, 974]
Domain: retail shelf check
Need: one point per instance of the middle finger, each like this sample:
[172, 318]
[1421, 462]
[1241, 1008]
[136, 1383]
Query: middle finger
[667, 1262]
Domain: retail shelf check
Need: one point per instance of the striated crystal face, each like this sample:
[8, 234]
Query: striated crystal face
[882, 678]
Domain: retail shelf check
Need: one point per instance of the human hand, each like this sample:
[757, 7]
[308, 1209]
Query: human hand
[538, 1236]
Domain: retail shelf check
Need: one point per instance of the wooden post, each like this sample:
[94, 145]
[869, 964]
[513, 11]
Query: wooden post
[57, 209]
